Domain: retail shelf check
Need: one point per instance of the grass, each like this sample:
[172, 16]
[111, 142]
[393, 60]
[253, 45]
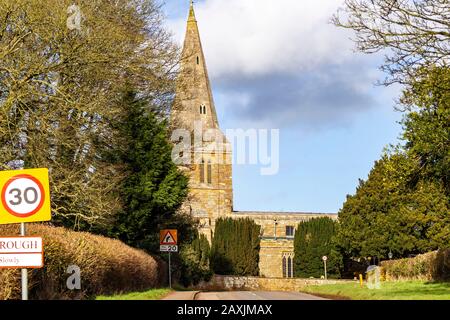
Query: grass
[153, 294]
[402, 290]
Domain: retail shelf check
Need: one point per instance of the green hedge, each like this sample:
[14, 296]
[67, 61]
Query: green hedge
[313, 240]
[235, 247]
[431, 266]
[107, 266]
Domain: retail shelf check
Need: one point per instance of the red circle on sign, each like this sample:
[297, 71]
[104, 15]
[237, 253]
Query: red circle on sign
[23, 176]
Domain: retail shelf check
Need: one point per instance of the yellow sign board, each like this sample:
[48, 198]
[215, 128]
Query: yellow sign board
[24, 196]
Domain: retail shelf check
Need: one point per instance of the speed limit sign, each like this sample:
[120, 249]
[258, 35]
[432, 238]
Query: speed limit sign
[25, 196]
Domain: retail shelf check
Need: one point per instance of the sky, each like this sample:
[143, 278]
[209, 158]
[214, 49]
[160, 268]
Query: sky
[282, 65]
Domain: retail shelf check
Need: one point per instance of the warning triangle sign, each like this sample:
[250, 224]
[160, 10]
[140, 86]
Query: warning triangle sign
[168, 238]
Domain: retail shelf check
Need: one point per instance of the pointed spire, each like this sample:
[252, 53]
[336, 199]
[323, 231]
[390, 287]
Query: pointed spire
[191, 12]
[193, 91]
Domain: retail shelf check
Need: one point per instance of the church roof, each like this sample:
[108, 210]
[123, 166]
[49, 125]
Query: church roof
[280, 213]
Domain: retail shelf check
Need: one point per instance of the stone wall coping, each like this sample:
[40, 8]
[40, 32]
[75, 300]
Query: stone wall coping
[281, 278]
[220, 282]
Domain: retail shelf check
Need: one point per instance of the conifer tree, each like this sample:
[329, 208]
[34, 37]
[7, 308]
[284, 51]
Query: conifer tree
[313, 240]
[154, 188]
[194, 261]
[235, 247]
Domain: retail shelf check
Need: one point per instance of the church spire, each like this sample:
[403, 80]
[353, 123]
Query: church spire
[191, 12]
[194, 100]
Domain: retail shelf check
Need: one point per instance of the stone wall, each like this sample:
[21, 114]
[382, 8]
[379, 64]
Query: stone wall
[220, 283]
[271, 254]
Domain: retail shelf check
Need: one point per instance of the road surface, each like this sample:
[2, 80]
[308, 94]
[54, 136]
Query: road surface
[241, 295]
[256, 295]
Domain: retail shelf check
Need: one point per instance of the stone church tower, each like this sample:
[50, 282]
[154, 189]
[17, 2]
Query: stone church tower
[207, 153]
[204, 154]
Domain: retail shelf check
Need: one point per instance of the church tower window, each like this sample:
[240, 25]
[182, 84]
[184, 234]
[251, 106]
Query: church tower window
[209, 172]
[202, 171]
[198, 60]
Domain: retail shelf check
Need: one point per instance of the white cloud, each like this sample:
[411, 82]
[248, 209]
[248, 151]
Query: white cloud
[257, 37]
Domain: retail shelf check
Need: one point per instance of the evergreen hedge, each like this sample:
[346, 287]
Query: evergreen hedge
[235, 247]
[194, 261]
[313, 240]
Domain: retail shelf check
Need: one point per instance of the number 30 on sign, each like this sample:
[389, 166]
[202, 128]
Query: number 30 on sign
[25, 196]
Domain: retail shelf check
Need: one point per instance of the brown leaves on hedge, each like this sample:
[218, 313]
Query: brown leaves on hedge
[431, 266]
[107, 266]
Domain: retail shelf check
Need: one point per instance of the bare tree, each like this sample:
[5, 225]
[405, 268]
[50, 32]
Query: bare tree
[416, 33]
[62, 70]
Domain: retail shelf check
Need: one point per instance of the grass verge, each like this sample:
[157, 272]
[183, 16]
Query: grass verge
[395, 290]
[153, 294]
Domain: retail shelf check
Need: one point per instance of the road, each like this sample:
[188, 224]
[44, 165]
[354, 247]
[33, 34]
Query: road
[242, 295]
[256, 295]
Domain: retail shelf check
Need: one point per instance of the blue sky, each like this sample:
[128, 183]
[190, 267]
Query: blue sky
[281, 65]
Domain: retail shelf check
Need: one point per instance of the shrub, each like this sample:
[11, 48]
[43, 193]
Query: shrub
[194, 260]
[313, 240]
[107, 266]
[433, 265]
[235, 247]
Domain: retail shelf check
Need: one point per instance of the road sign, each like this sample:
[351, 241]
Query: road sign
[25, 196]
[324, 258]
[168, 240]
[168, 248]
[168, 237]
[21, 252]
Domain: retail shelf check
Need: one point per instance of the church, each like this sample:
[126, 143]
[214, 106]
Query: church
[208, 163]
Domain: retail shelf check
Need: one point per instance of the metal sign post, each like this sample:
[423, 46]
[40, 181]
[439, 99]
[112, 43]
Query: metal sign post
[170, 273]
[168, 240]
[24, 272]
[324, 258]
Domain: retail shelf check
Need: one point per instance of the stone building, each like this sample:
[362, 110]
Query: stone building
[204, 154]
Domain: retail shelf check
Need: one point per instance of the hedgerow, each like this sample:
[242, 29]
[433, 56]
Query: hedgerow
[107, 266]
[431, 266]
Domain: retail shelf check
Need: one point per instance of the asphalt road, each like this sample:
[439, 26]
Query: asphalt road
[256, 295]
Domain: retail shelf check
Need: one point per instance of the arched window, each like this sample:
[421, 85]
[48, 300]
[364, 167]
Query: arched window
[202, 171]
[209, 173]
[198, 60]
[201, 109]
[289, 264]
